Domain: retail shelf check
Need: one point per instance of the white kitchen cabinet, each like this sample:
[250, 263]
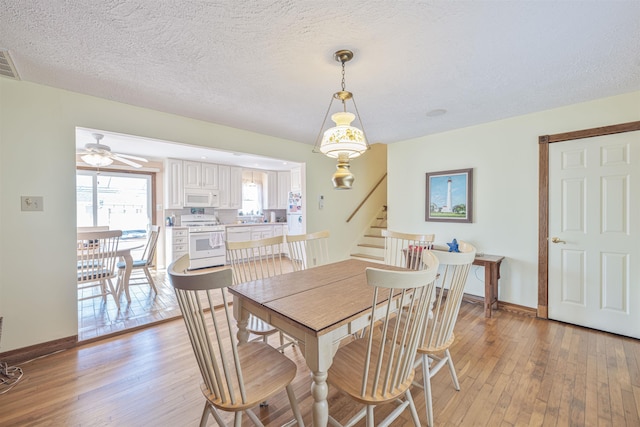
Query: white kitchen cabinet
[230, 187]
[224, 177]
[235, 187]
[284, 186]
[296, 179]
[173, 187]
[176, 243]
[270, 188]
[200, 175]
[238, 234]
[261, 232]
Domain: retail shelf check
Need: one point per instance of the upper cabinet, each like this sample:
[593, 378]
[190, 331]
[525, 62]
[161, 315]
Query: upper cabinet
[173, 187]
[284, 186]
[200, 175]
[270, 188]
[296, 179]
[230, 186]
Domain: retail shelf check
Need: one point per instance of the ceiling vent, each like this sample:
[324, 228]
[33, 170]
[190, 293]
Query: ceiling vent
[7, 69]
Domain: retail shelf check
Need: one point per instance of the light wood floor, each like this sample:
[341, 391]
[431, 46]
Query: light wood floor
[513, 370]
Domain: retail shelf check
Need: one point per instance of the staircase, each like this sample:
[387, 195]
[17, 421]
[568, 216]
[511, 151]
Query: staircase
[371, 245]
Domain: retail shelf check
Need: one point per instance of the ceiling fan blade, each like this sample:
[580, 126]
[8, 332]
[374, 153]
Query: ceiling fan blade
[128, 156]
[125, 161]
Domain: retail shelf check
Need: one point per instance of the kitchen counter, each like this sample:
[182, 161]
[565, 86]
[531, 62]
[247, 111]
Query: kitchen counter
[249, 224]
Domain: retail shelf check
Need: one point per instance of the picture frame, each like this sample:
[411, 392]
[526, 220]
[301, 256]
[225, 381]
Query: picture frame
[449, 196]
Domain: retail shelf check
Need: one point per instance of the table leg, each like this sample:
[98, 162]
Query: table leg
[242, 317]
[320, 391]
[123, 280]
[488, 290]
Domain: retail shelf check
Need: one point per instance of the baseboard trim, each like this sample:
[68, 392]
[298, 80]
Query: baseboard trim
[25, 354]
[505, 306]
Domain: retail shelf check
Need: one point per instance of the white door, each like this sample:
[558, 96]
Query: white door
[594, 218]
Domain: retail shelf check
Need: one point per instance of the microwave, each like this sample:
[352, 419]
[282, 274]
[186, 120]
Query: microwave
[200, 198]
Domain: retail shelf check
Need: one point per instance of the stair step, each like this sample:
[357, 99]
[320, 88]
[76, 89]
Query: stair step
[369, 245]
[379, 226]
[368, 257]
[376, 236]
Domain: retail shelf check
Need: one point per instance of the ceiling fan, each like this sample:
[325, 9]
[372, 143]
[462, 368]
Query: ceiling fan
[99, 155]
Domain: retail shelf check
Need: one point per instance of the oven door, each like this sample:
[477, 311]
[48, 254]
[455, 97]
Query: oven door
[206, 249]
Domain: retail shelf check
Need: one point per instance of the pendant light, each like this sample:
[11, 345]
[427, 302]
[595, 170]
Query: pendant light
[343, 141]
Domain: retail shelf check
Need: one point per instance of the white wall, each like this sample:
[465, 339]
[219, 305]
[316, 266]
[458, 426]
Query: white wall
[37, 157]
[504, 158]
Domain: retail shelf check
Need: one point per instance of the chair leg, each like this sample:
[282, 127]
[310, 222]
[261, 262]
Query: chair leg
[294, 405]
[452, 370]
[205, 415]
[237, 420]
[412, 408]
[150, 279]
[370, 419]
[426, 383]
[113, 293]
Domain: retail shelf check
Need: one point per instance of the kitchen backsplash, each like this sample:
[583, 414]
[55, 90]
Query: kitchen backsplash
[226, 216]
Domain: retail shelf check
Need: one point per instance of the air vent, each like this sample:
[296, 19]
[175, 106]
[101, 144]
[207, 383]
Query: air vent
[7, 69]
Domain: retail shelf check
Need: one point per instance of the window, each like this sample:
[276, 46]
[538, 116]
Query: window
[251, 193]
[119, 200]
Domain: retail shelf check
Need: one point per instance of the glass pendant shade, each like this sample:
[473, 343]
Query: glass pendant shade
[343, 138]
[96, 160]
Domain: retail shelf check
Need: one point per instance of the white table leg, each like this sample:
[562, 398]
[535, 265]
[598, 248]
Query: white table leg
[242, 317]
[319, 356]
[128, 266]
[319, 391]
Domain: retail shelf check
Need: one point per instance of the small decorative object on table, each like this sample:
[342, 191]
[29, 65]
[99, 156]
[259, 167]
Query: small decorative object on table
[453, 246]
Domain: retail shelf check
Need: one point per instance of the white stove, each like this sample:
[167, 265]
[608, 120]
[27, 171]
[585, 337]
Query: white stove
[206, 240]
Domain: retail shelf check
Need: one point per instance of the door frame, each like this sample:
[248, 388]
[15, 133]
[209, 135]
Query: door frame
[543, 199]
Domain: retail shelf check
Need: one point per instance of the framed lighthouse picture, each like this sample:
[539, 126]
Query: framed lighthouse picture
[449, 196]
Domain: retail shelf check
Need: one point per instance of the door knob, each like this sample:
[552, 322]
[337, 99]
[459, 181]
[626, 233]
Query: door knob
[557, 240]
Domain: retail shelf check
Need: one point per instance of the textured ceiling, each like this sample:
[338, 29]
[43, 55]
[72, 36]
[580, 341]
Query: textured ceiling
[268, 67]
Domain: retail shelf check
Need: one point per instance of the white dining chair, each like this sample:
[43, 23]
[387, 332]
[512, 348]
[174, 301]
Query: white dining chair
[308, 250]
[405, 249]
[236, 377]
[433, 352]
[378, 368]
[144, 263]
[96, 264]
[254, 260]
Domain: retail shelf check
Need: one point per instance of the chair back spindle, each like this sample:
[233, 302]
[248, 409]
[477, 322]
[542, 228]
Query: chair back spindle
[308, 250]
[405, 250]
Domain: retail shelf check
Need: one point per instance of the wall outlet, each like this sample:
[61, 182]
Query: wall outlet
[31, 203]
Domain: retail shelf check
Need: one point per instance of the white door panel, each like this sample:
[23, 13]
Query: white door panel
[594, 201]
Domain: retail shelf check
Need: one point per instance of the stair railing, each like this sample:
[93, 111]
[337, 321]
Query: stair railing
[367, 197]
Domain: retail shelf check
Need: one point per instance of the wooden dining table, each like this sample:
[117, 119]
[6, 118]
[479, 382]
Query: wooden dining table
[318, 307]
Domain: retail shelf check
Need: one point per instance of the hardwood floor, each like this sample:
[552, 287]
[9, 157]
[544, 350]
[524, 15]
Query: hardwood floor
[513, 370]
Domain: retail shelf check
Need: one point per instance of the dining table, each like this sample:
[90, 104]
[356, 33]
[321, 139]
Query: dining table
[318, 307]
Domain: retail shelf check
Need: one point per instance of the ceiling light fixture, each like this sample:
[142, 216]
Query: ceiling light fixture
[96, 160]
[343, 141]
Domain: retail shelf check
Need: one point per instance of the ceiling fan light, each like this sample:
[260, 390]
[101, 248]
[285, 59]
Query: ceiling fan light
[96, 160]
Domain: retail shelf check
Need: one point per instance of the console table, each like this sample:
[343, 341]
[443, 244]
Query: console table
[491, 264]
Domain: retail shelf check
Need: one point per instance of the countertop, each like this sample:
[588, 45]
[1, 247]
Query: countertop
[255, 224]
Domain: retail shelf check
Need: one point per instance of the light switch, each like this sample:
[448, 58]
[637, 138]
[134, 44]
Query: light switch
[31, 203]
[321, 202]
